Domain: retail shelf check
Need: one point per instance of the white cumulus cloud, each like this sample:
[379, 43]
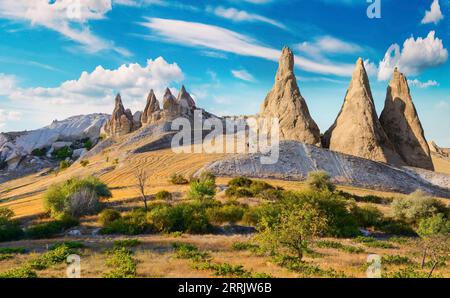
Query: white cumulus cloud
[420, 84]
[243, 75]
[416, 56]
[323, 45]
[434, 15]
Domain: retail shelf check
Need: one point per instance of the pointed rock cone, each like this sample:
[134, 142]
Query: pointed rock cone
[402, 125]
[121, 121]
[357, 130]
[151, 108]
[170, 104]
[286, 103]
[185, 100]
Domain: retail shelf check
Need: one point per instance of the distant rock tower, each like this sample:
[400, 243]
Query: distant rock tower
[357, 130]
[286, 103]
[121, 122]
[402, 125]
[152, 110]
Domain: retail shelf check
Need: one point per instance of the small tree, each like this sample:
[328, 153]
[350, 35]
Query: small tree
[141, 179]
[320, 181]
[435, 247]
[293, 229]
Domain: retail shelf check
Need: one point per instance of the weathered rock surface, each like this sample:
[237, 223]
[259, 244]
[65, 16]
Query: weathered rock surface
[184, 99]
[357, 130]
[401, 123]
[296, 160]
[286, 103]
[441, 152]
[152, 110]
[121, 122]
[171, 108]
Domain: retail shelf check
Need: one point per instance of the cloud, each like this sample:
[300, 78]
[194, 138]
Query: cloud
[7, 84]
[6, 116]
[95, 91]
[243, 16]
[416, 56]
[67, 17]
[434, 15]
[258, 1]
[423, 85]
[327, 45]
[220, 39]
[243, 75]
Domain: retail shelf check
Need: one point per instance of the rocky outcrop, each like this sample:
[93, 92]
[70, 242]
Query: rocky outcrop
[171, 108]
[184, 99]
[296, 160]
[152, 110]
[121, 122]
[401, 123]
[438, 151]
[357, 130]
[286, 103]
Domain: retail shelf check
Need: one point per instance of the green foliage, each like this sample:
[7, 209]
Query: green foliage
[244, 246]
[64, 164]
[243, 187]
[63, 153]
[127, 243]
[395, 260]
[163, 195]
[291, 230]
[188, 251]
[189, 218]
[307, 270]
[178, 179]
[271, 195]
[21, 272]
[337, 245]
[50, 229]
[367, 216]
[12, 250]
[68, 244]
[417, 206]
[365, 199]
[238, 192]
[133, 223]
[123, 263]
[75, 196]
[408, 272]
[84, 163]
[107, 216]
[396, 227]
[225, 214]
[435, 225]
[9, 229]
[320, 181]
[240, 182]
[55, 256]
[38, 152]
[202, 189]
[88, 144]
[207, 176]
[6, 214]
[374, 243]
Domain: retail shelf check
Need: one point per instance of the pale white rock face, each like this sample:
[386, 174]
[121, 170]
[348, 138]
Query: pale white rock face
[79, 153]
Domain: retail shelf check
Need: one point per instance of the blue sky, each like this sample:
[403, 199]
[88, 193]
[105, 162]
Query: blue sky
[58, 58]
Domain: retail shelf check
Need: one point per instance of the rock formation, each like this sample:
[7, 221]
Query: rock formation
[357, 130]
[286, 103]
[185, 101]
[152, 110]
[434, 148]
[402, 125]
[121, 122]
[171, 108]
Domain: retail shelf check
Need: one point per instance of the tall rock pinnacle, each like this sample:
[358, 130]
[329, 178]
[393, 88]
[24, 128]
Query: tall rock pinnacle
[121, 121]
[402, 125]
[286, 103]
[152, 109]
[357, 130]
[185, 100]
[170, 105]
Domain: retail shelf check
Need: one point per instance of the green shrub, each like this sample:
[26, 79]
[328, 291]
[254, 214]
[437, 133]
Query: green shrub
[417, 206]
[337, 245]
[190, 218]
[367, 216]
[84, 163]
[12, 250]
[163, 195]
[39, 152]
[55, 256]
[225, 214]
[127, 243]
[395, 227]
[9, 229]
[374, 243]
[178, 179]
[395, 260]
[240, 182]
[69, 244]
[271, 195]
[21, 272]
[63, 153]
[320, 181]
[50, 229]
[202, 190]
[107, 216]
[75, 197]
[238, 192]
[207, 176]
[188, 251]
[244, 246]
[64, 164]
[133, 223]
[409, 272]
[123, 263]
[435, 225]
[88, 144]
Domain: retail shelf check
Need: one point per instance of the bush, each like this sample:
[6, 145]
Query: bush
[190, 218]
[38, 152]
[133, 223]
[55, 256]
[123, 263]
[395, 260]
[76, 197]
[63, 153]
[64, 164]
[107, 216]
[435, 225]
[418, 206]
[12, 250]
[320, 181]
[50, 229]
[9, 229]
[367, 216]
[127, 243]
[88, 144]
[84, 163]
[372, 242]
[21, 272]
[238, 192]
[244, 246]
[207, 176]
[225, 214]
[6, 214]
[240, 182]
[243, 187]
[178, 179]
[163, 195]
[202, 190]
[271, 195]
[394, 227]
